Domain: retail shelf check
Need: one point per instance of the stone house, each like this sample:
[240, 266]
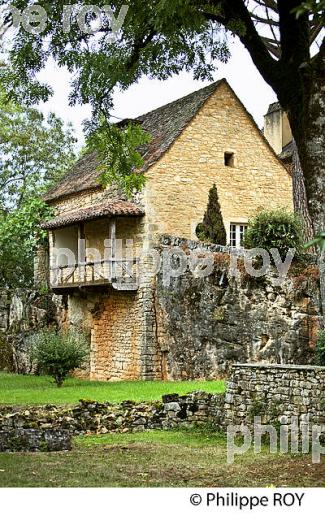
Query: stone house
[204, 138]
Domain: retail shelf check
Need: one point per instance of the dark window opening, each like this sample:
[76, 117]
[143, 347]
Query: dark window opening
[229, 159]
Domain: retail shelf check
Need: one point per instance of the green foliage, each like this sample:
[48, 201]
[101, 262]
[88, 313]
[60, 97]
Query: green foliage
[212, 228]
[118, 150]
[317, 7]
[277, 229]
[57, 354]
[159, 38]
[320, 349]
[34, 153]
[19, 235]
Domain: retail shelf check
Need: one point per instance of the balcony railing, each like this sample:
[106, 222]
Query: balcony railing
[122, 274]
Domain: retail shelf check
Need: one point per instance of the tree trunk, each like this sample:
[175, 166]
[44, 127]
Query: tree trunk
[300, 196]
[308, 130]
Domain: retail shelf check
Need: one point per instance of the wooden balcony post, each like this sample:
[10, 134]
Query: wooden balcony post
[82, 252]
[112, 236]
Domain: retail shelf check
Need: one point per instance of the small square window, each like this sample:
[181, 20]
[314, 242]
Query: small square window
[229, 159]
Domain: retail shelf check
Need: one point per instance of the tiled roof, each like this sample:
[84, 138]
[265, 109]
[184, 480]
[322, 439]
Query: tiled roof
[109, 209]
[164, 124]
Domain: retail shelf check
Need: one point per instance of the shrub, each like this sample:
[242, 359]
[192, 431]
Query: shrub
[277, 229]
[320, 349]
[57, 354]
[212, 228]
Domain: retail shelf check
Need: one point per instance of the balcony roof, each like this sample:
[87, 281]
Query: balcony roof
[119, 208]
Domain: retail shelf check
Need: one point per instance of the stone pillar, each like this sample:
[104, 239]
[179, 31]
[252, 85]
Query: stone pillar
[42, 267]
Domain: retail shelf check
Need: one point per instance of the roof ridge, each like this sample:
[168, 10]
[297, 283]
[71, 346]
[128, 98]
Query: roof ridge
[215, 84]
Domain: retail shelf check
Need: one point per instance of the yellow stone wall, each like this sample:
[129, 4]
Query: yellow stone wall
[116, 338]
[176, 193]
[77, 201]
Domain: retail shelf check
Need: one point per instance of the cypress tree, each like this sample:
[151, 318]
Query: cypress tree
[212, 228]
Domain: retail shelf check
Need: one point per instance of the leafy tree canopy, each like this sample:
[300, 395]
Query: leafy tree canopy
[19, 237]
[34, 154]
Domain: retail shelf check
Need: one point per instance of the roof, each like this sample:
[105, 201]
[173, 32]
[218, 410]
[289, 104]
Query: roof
[274, 107]
[287, 152]
[164, 124]
[84, 175]
[109, 209]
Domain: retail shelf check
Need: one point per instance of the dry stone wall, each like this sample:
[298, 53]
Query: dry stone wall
[35, 440]
[174, 411]
[278, 394]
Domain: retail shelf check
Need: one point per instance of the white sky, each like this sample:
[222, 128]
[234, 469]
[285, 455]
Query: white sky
[150, 94]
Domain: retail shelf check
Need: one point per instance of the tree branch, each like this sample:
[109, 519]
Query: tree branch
[266, 21]
[270, 4]
[294, 34]
[236, 11]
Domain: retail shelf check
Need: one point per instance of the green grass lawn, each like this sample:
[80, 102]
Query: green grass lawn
[157, 459]
[21, 390]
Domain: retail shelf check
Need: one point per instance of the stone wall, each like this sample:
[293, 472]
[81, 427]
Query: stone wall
[83, 199]
[116, 337]
[276, 393]
[174, 411]
[197, 327]
[41, 268]
[35, 440]
[204, 325]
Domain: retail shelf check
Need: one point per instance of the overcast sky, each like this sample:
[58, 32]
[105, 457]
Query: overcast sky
[148, 94]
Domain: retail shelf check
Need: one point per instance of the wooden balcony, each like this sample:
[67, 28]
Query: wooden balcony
[122, 275]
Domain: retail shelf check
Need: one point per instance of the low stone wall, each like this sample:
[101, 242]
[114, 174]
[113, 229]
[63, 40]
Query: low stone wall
[276, 393]
[194, 409]
[35, 440]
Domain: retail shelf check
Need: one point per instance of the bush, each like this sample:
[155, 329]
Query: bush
[320, 349]
[276, 229]
[57, 354]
